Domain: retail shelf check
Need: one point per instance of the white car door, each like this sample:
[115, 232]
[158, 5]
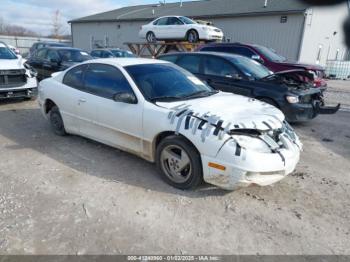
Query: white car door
[160, 28]
[67, 96]
[175, 28]
[114, 123]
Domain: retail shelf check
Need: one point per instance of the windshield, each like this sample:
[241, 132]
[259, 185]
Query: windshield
[272, 56]
[73, 56]
[6, 53]
[250, 68]
[122, 53]
[160, 82]
[187, 21]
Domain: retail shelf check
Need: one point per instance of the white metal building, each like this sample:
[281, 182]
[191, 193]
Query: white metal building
[292, 28]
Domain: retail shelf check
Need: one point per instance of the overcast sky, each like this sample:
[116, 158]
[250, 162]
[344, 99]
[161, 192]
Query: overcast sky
[37, 15]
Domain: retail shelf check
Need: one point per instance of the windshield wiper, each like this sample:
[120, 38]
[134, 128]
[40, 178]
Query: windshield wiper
[202, 93]
[160, 98]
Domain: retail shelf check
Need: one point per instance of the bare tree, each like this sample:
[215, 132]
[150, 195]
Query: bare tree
[2, 25]
[56, 24]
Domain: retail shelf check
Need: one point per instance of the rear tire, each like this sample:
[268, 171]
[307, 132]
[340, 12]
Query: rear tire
[151, 37]
[56, 121]
[179, 163]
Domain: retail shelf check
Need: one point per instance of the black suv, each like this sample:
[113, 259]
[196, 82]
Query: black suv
[287, 90]
[39, 45]
[53, 59]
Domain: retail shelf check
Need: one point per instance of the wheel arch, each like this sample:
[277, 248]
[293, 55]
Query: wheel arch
[262, 97]
[192, 29]
[161, 136]
[48, 105]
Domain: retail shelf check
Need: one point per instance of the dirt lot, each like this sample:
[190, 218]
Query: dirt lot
[69, 195]
[339, 92]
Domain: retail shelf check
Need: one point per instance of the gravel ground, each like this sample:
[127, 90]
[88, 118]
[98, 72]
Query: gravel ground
[338, 92]
[70, 195]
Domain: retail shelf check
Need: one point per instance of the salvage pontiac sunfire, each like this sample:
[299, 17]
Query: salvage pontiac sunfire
[166, 115]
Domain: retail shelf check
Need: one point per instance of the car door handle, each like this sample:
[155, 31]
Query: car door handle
[82, 100]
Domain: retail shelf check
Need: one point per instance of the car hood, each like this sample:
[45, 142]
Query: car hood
[293, 79]
[239, 111]
[208, 26]
[9, 64]
[306, 66]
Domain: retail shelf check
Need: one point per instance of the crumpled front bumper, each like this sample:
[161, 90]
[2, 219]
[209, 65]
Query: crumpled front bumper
[27, 90]
[305, 112]
[251, 167]
[234, 176]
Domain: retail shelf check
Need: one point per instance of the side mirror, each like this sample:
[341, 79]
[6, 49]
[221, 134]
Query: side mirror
[125, 97]
[258, 59]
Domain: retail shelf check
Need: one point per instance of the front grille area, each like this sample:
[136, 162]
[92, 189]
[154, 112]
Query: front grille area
[305, 99]
[12, 78]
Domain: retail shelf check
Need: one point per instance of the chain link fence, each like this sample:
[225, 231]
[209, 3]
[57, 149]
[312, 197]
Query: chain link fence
[337, 69]
[23, 43]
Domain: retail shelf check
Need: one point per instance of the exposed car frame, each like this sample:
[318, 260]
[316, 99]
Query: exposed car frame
[17, 79]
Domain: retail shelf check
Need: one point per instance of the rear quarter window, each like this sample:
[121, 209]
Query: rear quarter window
[74, 77]
[190, 62]
[169, 58]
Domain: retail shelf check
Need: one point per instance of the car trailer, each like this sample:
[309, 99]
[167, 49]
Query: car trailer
[153, 50]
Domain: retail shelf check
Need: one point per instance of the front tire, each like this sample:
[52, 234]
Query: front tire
[179, 163]
[56, 121]
[192, 36]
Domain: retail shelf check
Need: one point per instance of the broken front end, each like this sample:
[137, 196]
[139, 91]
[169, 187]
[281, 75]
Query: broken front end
[303, 101]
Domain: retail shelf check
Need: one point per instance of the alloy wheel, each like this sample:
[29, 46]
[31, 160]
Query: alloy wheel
[176, 164]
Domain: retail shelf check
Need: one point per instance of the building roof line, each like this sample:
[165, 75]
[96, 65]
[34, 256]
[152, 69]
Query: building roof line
[195, 17]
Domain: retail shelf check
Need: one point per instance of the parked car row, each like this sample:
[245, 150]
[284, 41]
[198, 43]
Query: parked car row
[200, 116]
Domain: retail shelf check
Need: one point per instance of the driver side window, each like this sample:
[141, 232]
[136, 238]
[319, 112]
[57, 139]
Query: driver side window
[105, 81]
[174, 21]
[218, 67]
[162, 21]
[52, 55]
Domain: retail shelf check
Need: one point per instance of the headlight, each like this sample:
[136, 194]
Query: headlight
[32, 71]
[252, 143]
[292, 99]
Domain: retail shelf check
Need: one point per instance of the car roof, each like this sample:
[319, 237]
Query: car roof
[63, 48]
[170, 16]
[123, 62]
[107, 49]
[51, 43]
[221, 54]
[2, 45]
[231, 44]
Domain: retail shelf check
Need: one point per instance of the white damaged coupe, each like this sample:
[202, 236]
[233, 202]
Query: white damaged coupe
[164, 114]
